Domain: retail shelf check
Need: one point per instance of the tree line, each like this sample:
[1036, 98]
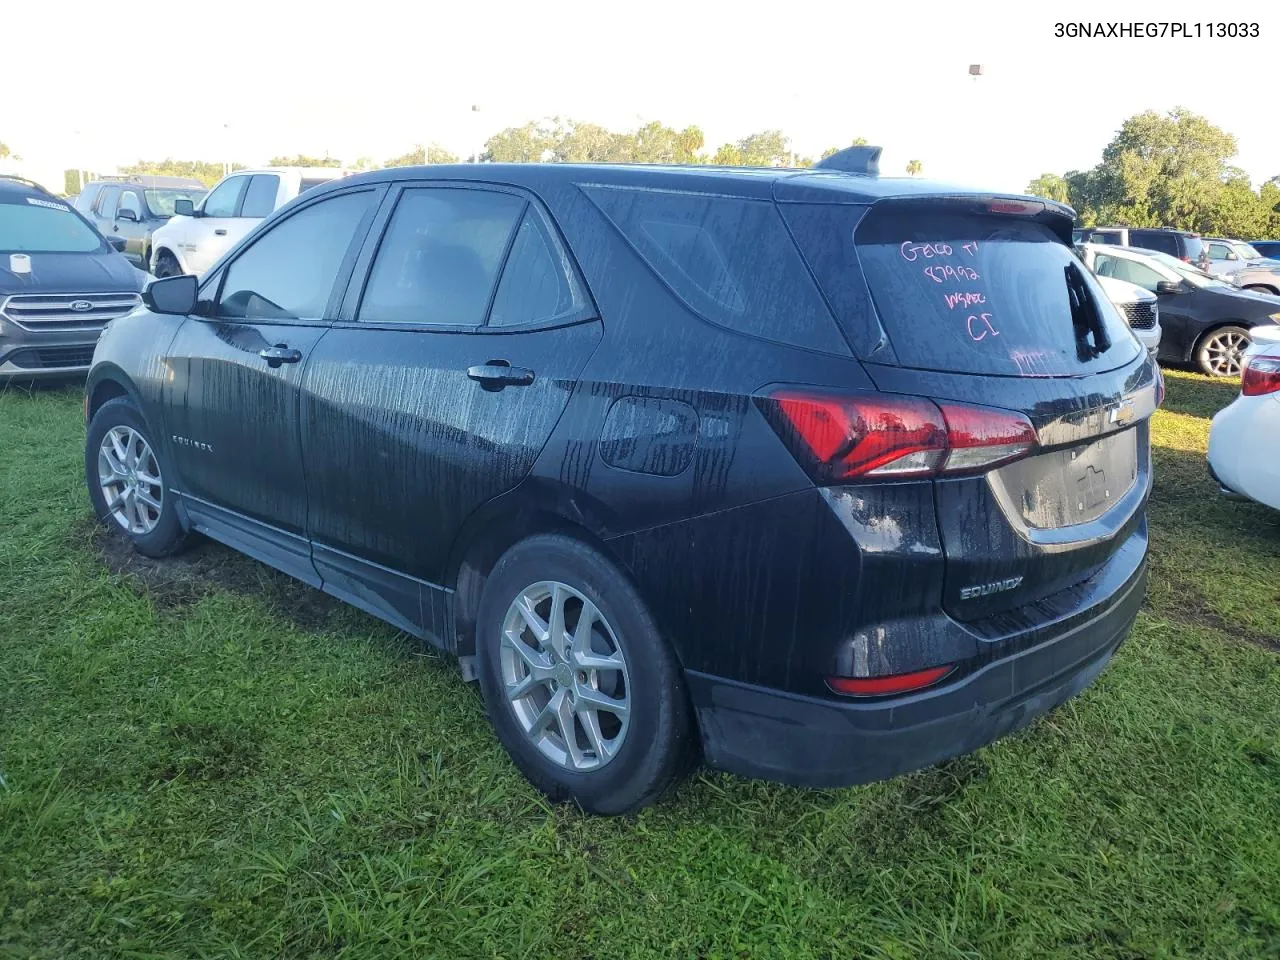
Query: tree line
[554, 140]
[1168, 170]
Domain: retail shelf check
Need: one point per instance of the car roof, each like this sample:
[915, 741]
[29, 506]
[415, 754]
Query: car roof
[782, 183]
[23, 187]
[333, 172]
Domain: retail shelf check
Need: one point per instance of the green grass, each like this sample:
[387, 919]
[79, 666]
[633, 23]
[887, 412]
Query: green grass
[223, 764]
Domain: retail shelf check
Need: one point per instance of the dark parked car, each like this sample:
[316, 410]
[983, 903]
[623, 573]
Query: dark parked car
[133, 207]
[1187, 247]
[1268, 248]
[825, 476]
[1205, 321]
[60, 282]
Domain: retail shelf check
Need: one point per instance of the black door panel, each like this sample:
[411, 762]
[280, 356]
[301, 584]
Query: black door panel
[251, 466]
[401, 444]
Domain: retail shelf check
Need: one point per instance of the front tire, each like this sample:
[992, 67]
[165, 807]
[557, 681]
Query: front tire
[1220, 352]
[126, 480]
[581, 688]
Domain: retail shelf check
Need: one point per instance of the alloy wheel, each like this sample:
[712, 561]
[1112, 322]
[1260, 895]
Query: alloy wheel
[129, 475]
[565, 676]
[1224, 352]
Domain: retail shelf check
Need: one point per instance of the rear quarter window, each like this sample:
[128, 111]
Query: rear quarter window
[729, 259]
[968, 292]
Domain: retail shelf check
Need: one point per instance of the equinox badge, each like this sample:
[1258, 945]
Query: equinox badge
[985, 589]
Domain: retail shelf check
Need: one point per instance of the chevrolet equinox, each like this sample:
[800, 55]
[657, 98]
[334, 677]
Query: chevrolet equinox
[816, 475]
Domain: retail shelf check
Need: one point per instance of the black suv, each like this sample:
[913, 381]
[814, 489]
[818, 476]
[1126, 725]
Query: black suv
[133, 207]
[826, 476]
[60, 282]
[1187, 247]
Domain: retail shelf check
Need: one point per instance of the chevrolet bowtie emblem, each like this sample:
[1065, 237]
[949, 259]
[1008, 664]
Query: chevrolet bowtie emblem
[1122, 412]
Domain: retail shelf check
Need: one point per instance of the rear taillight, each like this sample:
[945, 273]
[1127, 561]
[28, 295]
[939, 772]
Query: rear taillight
[1261, 376]
[894, 683]
[890, 437]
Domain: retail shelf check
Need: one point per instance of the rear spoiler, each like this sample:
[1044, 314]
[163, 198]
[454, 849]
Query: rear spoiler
[1058, 217]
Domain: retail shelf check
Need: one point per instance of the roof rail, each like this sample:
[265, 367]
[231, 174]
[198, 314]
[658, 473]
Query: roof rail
[863, 159]
[23, 180]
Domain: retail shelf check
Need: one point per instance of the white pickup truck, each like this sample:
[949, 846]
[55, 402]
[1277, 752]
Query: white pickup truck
[192, 241]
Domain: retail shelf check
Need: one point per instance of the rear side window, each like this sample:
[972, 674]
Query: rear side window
[260, 197]
[1164, 242]
[975, 293]
[307, 183]
[107, 203]
[729, 259]
[537, 282]
[439, 259]
[289, 272]
[1192, 248]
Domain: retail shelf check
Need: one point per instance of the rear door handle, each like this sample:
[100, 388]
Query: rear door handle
[280, 353]
[497, 374]
[220, 232]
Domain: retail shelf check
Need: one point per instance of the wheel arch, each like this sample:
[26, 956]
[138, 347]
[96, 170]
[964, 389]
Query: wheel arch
[107, 382]
[1194, 346]
[535, 507]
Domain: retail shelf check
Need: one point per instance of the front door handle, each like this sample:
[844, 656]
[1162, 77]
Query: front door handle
[280, 353]
[497, 374]
[219, 232]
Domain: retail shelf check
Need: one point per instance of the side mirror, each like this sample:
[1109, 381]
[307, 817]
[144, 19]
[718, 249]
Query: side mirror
[127, 213]
[175, 295]
[183, 207]
[1168, 287]
[116, 243]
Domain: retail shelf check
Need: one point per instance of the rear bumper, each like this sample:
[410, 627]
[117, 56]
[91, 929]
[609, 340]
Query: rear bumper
[808, 741]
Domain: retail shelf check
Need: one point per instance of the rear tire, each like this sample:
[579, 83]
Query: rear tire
[1220, 352]
[167, 265]
[126, 479]
[543, 674]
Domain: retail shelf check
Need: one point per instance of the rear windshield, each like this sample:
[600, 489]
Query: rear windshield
[35, 225]
[975, 293]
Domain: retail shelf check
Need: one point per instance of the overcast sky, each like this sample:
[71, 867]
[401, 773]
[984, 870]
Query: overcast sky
[244, 81]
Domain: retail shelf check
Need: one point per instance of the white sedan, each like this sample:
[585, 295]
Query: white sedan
[1245, 436]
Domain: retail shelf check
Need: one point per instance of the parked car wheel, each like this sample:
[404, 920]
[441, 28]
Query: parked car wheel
[1221, 351]
[126, 481]
[582, 690]
[167, 265]
[1258, 288]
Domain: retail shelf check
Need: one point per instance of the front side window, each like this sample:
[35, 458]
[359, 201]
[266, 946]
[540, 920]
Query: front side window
[226, 195]
[289, 272]
[260, 197]
[1130, 271]
[160, 202]
[36, 225]
[439, 258]
[1219, 251]
[129, 200]
[537, 284]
